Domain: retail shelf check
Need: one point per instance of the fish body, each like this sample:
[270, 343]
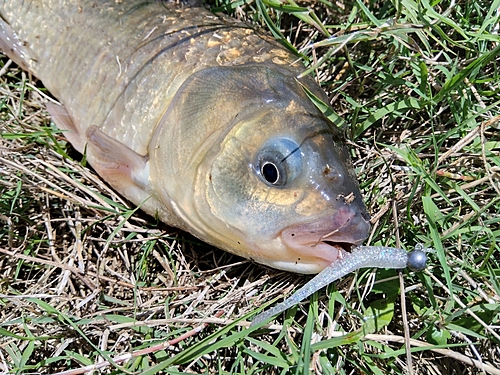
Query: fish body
[197, 118]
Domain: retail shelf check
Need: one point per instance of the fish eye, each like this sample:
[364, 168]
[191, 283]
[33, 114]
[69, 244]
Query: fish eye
[270, 172]
[278, 162]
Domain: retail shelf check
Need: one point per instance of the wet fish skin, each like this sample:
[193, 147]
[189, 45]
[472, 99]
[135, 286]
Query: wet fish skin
[179, 109]
[87, 56]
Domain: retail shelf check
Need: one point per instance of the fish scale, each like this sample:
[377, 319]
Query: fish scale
[135, 71]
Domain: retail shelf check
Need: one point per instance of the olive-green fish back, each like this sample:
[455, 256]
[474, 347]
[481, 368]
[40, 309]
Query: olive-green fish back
[123, 62]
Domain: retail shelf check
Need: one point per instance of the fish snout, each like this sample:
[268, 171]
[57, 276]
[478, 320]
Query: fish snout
[324, 238]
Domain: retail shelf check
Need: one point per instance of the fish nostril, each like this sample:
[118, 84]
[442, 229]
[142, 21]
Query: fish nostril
[330, 173]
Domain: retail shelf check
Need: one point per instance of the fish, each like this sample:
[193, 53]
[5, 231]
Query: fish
[200, 120]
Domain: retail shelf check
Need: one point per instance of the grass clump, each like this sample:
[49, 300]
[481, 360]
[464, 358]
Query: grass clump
[85, 278]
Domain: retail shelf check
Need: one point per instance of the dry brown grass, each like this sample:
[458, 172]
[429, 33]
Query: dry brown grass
[84, 276]
[75, 244]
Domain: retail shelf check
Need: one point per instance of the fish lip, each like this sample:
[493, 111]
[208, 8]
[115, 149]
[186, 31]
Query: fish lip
[326, 239]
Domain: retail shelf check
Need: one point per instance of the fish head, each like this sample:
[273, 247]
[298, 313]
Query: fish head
[270, 178]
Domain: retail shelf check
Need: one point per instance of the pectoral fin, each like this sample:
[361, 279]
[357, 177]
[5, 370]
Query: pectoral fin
[63, 120]
[122, 167]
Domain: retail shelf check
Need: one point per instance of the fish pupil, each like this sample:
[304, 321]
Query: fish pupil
[270, 172]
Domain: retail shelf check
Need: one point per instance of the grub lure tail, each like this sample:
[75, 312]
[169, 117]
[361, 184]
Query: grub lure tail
[360, 257]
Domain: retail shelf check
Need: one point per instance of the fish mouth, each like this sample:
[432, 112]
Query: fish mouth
[325, 239]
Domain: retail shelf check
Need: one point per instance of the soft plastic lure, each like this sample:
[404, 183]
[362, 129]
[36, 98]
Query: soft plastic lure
[360, 257]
